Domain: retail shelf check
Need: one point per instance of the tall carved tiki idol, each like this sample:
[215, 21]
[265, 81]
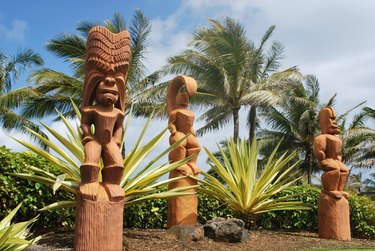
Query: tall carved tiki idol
[100, 204]
[333, 206]
[182, 210]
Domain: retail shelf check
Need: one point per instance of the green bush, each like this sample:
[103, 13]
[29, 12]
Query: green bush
[362, 217]
[300, 219]
[153, 214]
[34, 196]
[362, 214]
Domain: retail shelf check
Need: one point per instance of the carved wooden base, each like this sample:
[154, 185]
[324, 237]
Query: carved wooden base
[182, 210]
[333, 218]
[98, 224]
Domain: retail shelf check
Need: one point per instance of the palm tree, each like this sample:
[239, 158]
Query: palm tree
[359, 140]
[11, 67]
[226, 63]
[295, 122]
[56, 89]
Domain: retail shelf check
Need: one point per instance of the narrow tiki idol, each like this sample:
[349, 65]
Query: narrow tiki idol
[100, 204]
[182, 210]
[333, 206]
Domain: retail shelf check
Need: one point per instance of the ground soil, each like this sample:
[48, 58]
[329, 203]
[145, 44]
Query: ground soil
[160, 239]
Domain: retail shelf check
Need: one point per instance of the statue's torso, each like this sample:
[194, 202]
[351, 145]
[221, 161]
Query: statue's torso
[184, 120]
[104, 122]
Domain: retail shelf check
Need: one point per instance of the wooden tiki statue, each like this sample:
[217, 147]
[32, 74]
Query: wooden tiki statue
[333, 206]
[182, 210]
[100, 204]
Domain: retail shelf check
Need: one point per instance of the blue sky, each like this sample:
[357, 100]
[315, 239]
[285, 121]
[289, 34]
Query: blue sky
[332, 39]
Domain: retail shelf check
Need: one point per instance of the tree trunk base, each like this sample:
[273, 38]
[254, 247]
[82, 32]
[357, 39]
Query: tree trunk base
[99, 224]
[333, 218]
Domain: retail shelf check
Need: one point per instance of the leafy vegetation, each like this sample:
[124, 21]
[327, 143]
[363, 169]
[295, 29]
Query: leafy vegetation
[14, 236]
[11, 67]
[362, 217]
[247, 190]
[33, 195]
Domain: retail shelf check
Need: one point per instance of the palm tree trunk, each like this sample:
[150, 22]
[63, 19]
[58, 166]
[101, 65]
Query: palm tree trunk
[308, 166]
[236, 125]
[252, 121]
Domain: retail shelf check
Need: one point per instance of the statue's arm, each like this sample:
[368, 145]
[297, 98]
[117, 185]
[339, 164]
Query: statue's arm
[117, 134]
[172, 123]
[320, 147]
[86, 122]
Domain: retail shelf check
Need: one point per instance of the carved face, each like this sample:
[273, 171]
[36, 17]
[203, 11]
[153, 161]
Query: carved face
[182, 98]
[327, 119]
[107, 92]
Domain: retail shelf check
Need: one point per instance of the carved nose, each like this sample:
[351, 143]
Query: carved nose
[109, 81]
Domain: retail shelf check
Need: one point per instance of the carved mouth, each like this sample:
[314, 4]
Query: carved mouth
[104, 91]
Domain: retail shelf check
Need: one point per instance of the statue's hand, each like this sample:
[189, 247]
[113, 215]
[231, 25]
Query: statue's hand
[118, 143]
[87, 139]
[185, 169]
[329, 165]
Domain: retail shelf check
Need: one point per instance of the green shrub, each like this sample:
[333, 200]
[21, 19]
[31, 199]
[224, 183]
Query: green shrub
[301, 219]
[149, 214]
[362, 214]
[209, 207]
[362, 217]
[34, 196]
[153, 213]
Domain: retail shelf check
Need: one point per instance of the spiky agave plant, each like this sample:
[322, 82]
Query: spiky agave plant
[139, 184]
[13, 237]
[247, 190]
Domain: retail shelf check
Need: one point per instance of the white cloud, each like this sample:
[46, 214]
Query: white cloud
[15, 32]
[11, 143]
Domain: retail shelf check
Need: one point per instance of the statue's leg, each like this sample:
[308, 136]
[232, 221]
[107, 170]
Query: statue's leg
[330, 180]
[89, 186]
[344, 173]
[193, 148]
[113, 171]
[179, 153]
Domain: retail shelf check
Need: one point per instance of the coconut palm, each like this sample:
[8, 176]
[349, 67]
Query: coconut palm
[56, 89]
[295, 122]
[231, 71]
[359, 140]
[11, 67]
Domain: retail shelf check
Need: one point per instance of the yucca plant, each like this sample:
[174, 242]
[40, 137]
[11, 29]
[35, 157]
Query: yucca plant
[13, 236]
[247, 190]
[139, 184]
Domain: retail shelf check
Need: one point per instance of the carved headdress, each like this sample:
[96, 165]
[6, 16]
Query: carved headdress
[106, 53]
[175, 86]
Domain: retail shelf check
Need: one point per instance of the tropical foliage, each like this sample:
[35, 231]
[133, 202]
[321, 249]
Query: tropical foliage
[14, 236]
[231, 71]
[11, 67]
[31, 194]
[359, 140]
[249, 191]
[294, 122]
[139, 186]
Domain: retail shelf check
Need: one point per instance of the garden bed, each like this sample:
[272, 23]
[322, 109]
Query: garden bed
[159, 239]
